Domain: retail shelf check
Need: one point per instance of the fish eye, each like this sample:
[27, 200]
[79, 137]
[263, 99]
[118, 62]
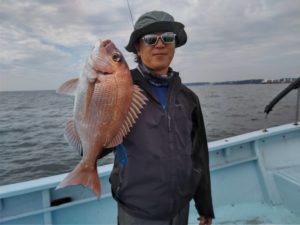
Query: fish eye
[116, 56]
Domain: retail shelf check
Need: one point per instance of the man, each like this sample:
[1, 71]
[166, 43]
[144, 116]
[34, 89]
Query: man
[167, 147]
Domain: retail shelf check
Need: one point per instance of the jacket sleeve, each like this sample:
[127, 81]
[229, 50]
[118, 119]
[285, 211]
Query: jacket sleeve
[202, 196]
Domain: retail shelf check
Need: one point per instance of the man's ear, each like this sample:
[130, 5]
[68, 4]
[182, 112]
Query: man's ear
[137, 48]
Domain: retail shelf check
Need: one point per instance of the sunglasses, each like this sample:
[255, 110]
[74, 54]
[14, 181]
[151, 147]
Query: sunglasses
[152, 39]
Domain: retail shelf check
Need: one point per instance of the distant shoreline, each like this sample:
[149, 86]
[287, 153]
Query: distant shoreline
[236, 82]
[239, 82]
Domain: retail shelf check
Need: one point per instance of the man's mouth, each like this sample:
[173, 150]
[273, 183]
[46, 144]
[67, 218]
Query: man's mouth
[159, 54]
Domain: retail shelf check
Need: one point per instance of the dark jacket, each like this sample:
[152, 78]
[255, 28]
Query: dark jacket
[167, 157]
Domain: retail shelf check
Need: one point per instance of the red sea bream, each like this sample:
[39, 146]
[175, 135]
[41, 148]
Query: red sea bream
[106, 106]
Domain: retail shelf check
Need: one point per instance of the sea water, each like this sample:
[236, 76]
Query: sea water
[32, 123]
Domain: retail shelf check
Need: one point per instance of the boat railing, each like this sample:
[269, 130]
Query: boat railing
[281, 95]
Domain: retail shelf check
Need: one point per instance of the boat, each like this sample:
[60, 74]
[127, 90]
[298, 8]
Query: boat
[255, 180]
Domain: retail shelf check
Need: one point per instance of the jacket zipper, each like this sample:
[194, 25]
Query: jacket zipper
[170, 96]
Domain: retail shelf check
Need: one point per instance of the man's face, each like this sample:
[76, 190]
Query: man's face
[157, 57]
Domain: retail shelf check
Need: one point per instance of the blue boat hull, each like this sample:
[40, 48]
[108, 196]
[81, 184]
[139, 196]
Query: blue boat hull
[255, 180]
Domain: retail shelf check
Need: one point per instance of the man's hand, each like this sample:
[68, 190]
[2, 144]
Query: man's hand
[204, 220]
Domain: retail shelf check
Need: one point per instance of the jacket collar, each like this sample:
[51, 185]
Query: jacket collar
[139, 79]
[152, 78]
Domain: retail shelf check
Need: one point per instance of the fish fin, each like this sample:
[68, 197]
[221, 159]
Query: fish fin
[72, 137]
[69, 87]
[85, 175]
[137, 103]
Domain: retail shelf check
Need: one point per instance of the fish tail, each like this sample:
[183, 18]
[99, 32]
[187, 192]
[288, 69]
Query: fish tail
[85, 175]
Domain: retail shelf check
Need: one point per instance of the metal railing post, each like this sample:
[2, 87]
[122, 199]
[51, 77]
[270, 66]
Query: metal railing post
[265, 123]
[297, 107]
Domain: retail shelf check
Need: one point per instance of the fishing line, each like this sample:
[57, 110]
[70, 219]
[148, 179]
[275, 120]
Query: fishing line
[130, 13]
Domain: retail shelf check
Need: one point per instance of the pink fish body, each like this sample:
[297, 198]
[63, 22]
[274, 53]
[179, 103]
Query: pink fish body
[106, 106]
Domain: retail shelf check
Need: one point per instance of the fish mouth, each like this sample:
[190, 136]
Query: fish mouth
[99, 62]
[95, 73]
[102, 66]
[105, 43]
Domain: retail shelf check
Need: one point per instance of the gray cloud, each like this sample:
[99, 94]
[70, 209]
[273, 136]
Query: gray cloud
[44, 43]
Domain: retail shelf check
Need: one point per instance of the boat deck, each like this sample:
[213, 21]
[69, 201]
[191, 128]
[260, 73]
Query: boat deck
[250, 213]
[288, 183]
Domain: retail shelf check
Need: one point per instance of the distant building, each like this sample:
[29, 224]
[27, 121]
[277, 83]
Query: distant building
[252, 81]
[279, 81]
[265, 81]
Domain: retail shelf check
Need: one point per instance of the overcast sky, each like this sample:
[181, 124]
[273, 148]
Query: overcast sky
[44, 43]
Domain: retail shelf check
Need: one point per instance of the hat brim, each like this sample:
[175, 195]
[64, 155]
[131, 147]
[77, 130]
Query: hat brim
[162, 26]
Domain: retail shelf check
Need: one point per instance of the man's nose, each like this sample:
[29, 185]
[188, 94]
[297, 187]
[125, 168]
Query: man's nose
[160, 43]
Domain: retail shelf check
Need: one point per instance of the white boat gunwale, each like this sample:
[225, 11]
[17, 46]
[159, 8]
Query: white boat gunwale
[51, 181]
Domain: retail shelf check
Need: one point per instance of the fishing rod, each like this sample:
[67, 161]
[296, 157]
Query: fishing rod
[129, 8]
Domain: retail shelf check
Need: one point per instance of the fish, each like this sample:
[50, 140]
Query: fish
[106, 106]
